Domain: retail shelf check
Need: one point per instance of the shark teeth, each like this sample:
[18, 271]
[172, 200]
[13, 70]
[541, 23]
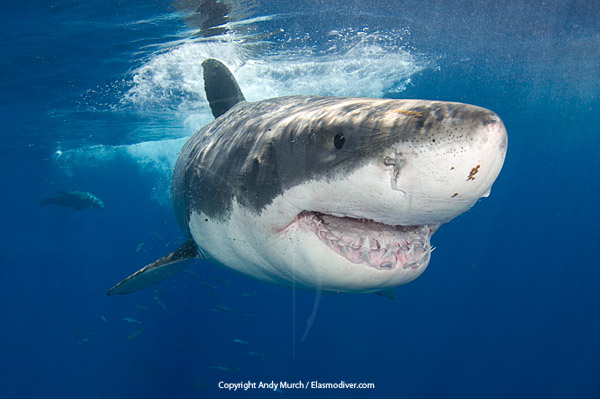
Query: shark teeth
[366, 244]
[411, 265]
[429, 251]
[383, 244]
[364, 255]
[372, 244]
[389, 253]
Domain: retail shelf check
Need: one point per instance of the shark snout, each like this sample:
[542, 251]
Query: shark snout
[438, 178]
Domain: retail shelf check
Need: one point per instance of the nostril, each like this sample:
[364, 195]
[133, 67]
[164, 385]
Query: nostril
[387, 161]
[491, 120]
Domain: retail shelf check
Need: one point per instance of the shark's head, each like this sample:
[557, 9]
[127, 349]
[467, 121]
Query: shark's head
[337, 193]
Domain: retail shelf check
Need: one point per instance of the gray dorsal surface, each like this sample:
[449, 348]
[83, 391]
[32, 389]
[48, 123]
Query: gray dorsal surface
[290, 141]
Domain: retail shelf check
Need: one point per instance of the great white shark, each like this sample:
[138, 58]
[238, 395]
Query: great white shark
[329, 193]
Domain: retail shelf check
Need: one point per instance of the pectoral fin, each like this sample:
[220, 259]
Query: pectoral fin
[158, 271]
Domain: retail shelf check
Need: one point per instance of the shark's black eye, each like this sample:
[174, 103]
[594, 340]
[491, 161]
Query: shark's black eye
[338, 141]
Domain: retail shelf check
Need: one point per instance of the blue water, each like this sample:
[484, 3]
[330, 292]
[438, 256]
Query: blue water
[100, 95]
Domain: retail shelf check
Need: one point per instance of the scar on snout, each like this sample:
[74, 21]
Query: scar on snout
[409, 113]
[454, 195]
[473, 173]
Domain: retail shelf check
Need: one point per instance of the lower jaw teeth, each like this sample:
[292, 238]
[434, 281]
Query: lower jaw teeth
[401, 249]
[388, 254]
[411, 265]
[412, 254]
[365, 256]
[369, 259]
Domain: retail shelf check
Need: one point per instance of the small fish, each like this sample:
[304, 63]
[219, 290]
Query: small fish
[241, 341]
[205, 284]
[219, 280]
[130, 320]
[103, 318]
[225, 368]
[142, 308]
[139, 247]
[223, 308]
[83, 342]
[249, 293]
[157, 235]
[193, 273]
[162, 305]
[135, 333]
[256, 354]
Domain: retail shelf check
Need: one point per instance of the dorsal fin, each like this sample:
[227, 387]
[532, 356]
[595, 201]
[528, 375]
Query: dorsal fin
[222, 90]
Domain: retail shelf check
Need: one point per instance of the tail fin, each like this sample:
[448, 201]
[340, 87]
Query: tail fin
[222, 90]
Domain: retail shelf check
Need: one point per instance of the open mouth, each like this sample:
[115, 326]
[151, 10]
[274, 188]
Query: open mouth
[371, 243]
